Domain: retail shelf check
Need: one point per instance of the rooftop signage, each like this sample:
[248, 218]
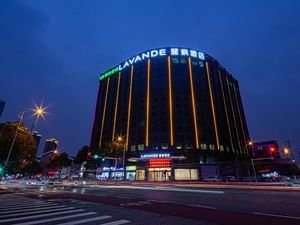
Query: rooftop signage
[161, 52]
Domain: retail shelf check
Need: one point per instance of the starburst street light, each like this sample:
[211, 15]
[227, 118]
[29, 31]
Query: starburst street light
[38, 111]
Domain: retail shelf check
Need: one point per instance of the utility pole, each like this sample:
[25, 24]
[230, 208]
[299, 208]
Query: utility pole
[21, 115]
[290, 148]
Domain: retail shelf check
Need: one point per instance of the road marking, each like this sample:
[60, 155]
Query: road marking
[30, 209]
[138, 203]
[35, 212]
[203, 206]
[86, 220]
[25, 206]
[19, 202]
[56, 219]
[118, 222]
[41, 215]
[124, 197]
[194, 191]
[158, 188]
[276, 215]
[159, 201]
[11, 202]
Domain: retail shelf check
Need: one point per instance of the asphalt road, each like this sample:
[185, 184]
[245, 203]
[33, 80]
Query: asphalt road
[153, 204]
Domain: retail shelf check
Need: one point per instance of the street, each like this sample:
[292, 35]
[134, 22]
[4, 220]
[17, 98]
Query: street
[148, 204]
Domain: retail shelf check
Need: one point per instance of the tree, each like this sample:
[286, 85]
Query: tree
[32, 169]
[60, 161]
[24, 149]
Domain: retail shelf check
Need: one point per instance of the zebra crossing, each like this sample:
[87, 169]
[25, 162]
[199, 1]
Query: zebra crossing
[21, 210]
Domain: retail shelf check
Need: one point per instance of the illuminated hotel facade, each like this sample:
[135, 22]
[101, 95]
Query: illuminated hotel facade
[177, 101]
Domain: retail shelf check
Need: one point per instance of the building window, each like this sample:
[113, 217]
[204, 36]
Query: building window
[203, 146]
[132, 148]
[141, 147]
[164, 146]
[211, 146]
[222, 148]
[183, 60]
[175, 60]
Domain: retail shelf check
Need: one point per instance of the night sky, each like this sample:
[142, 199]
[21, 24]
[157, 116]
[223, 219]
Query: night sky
[53, 52]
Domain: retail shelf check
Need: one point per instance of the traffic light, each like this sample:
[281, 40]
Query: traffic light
[272, 149]
[1, 169]
[103, 159]
[96, 156]
[89, 154]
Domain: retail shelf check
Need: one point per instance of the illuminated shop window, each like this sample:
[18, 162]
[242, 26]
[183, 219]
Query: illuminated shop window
[211, 146]
[203, 146]
[175, 60]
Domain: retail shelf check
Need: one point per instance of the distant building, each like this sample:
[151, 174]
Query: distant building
[50, 145]
[2, 105]
[266, 149]
[45, 159]
[37, 138]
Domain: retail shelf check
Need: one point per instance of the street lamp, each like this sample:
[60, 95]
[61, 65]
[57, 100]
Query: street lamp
[55, 152]
[38, 111]
[120, 139]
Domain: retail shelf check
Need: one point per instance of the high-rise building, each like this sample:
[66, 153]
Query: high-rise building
[37, 138]
[50, 145]
[2, 105]
[171, 102]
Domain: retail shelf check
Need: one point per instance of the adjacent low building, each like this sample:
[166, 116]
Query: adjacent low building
[50, 145]
[266, 149]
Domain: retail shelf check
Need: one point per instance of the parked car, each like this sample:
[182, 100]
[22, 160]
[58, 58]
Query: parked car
[229, 179]
[213, 179]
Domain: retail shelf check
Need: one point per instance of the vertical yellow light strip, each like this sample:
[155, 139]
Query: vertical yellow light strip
[225, 106]
[148, 103]
[170, 102]
[242, 126]
[193, 104]
[237, 133]
[116, 106]
[129, 108]
[212, 106]
[104, 111]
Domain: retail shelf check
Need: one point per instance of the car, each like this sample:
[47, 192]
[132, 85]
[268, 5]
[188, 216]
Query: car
[213, 179]
[229, 179]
